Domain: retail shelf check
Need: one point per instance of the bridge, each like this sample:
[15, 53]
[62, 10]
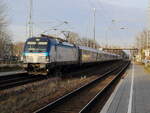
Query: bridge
[121, 49]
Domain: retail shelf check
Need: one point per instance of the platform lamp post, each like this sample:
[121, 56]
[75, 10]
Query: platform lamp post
[107, 30]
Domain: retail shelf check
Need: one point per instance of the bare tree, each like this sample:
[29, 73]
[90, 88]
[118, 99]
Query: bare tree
[74, 38]
[5, 40]
[18, 49]
[142, 40]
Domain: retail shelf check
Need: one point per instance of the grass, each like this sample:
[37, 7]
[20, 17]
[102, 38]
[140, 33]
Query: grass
[28, 98]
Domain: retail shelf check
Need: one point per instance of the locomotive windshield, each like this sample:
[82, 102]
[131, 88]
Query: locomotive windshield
[34, 46]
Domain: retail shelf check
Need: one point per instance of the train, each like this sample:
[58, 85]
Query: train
[43, 54]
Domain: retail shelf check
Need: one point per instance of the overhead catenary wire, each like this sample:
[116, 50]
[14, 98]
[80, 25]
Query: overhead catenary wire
[100, 10]
[113, 26]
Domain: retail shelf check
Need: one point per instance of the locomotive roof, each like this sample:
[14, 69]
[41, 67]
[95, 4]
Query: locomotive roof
[54, 37]
[53, 41]
[66, 44]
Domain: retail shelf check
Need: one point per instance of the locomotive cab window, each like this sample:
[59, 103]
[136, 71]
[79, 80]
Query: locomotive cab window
[33, 46]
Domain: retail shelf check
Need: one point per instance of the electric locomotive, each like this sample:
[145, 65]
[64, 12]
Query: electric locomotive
[42, 54]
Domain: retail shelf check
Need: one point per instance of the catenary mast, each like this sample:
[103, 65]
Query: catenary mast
[30, 20]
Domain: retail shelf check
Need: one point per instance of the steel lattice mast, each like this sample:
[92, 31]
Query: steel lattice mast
[30, 22]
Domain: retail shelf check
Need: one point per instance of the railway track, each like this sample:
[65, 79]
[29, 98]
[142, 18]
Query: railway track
[84, 98]
[15, 80]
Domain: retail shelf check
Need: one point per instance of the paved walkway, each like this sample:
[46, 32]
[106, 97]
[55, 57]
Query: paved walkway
[132, 95]
[9, 65]
[10, 73]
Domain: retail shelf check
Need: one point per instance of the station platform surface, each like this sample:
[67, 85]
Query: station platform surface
[11, 72]
[132, 94]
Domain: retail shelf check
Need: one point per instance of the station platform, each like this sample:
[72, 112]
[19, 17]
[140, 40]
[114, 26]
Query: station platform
[132, 94]
[11, 73]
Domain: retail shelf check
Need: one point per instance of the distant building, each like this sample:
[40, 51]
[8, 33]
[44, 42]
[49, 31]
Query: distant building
[138, 58]
[147, 52]
[147, 56]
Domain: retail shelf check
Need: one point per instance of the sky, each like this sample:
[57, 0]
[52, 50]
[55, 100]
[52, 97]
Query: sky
[129, 14]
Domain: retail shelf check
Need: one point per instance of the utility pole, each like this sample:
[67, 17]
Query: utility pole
[30, 22]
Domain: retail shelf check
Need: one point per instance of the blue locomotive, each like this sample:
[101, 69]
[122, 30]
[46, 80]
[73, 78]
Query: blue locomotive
[42, 54]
